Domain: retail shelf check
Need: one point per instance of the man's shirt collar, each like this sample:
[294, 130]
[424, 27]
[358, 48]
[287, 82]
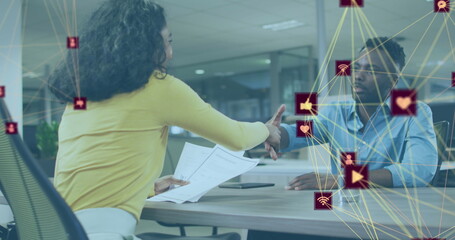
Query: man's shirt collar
[355, 124]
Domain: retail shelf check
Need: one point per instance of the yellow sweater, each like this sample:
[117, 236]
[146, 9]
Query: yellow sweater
[110, 154]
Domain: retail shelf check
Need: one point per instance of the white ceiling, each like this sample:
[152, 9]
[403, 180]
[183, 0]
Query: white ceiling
[209, 30]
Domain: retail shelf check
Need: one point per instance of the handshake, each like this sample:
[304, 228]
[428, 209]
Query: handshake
[272, 144]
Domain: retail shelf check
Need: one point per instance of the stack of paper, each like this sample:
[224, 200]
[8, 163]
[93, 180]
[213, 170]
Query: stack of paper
[205, 168]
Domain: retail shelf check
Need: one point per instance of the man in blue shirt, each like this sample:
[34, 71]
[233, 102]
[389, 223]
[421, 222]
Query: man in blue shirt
[399, 150]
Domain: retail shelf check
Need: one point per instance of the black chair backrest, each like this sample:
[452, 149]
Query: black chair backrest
[441, 130]
[39, 210]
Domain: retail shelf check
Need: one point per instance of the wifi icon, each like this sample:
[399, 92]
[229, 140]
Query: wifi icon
[343, 68]
[323, 200]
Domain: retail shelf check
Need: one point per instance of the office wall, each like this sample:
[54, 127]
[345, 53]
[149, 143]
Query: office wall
[239, 84]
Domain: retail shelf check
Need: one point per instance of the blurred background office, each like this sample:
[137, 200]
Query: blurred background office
[244, 57]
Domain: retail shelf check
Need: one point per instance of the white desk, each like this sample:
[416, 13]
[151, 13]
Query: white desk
[282, 171]
[380, 214]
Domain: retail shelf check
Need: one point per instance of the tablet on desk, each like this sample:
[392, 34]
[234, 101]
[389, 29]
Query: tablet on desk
[246, 185]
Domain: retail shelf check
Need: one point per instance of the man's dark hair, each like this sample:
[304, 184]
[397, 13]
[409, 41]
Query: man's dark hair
[390, 46]
[120, 47]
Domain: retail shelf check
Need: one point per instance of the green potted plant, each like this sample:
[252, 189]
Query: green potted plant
[47, 144]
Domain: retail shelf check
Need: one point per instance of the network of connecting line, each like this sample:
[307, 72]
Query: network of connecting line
[360, 25]
[355, 19]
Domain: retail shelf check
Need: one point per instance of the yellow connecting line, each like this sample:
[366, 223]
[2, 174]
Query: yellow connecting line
[387, 206]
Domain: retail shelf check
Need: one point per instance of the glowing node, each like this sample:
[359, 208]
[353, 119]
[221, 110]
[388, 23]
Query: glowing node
[11, 128]
[348, 158]
[304, 128]
[343, 68]
[323, 200]
[356, 177]
[442, 4]
[72, 42]
[80, 103]
[2, 91]
[404, 102]
[306, 103]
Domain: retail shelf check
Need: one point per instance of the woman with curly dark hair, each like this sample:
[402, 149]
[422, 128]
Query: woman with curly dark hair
[111, 153]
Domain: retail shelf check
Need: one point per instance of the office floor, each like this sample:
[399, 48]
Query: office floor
[152, 226]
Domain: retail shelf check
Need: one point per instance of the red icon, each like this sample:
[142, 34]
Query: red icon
[343, 68]
[323, 200]
[72, 42]
[306, 103]
[2, 91]
[80, 103]
[442, 6]
[348, 158]
[404, 102]
[304, 128]
[453, 79]
[11, 128]
[351, 3]
[356, 177]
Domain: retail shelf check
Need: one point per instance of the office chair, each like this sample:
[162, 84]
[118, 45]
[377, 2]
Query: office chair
[39, 210]
[3, 233]
[441, 130]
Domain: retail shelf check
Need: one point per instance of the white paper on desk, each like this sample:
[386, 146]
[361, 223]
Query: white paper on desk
[191, 158]
[218, 166]
[239, 154]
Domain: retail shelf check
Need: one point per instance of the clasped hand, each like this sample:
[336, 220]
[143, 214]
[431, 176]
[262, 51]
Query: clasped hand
[272, 144]
[302, 182]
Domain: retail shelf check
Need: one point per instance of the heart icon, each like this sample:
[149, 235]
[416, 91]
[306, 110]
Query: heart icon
[403, 102]
[305, 128]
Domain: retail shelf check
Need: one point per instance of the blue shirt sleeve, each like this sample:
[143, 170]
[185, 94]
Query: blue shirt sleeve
[420, 158]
